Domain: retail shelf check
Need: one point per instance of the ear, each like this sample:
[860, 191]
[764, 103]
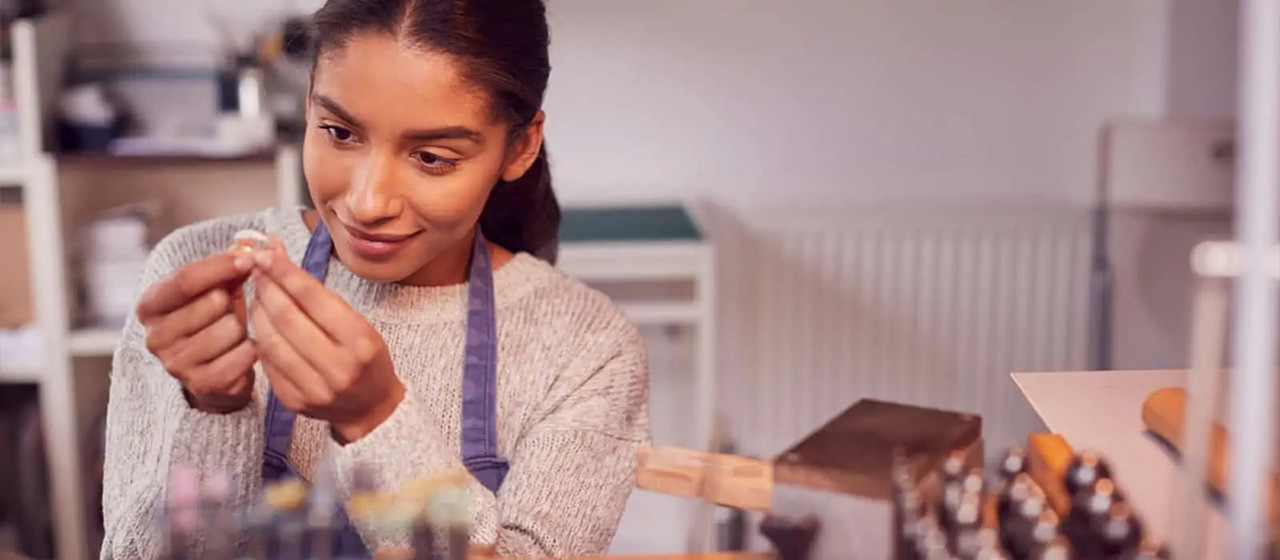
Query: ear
[525, 151]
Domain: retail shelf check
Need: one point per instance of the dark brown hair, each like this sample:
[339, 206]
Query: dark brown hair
[503, 48]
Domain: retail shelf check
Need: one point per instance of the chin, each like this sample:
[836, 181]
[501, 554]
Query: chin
[380, 274]
[373, 271]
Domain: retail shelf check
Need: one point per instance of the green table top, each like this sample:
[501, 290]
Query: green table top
[628, 223]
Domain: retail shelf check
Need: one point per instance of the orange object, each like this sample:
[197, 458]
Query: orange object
[1164, 413]
[1048, 456]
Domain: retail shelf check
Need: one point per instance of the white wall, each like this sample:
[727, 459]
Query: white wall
[1203, 37]
[1150, 248]
[833, 100]
[760, 102]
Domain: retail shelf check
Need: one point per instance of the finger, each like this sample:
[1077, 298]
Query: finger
[207, 345]
[229, 375]
[321, 353]
[188, 320]
[188, 282]
[287, 363]
[329, 311]
[285, 390]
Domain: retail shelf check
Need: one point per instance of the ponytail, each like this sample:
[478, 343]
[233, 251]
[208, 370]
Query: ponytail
[523, 215]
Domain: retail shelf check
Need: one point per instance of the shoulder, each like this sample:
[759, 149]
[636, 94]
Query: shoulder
[567, 310]
[589, 356]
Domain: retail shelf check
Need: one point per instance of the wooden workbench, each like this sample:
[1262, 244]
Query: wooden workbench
[709, 556]
[396, 555]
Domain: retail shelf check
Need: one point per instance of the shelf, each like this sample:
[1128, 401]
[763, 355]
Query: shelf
[12, 174]
[88, 343]
[98, 160]
[20, 375]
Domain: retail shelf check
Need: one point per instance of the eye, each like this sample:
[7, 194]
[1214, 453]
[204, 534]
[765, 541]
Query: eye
[338, 134]
[435, 164]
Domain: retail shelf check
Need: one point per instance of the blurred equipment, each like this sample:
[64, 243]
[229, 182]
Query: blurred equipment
[88, 120]
[888, 467]
[839, 477]
[1164, 184]
[113, 256]
[1045, 502]
[293, 519]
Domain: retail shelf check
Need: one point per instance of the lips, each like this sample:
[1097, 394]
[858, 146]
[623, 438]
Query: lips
[374, 245]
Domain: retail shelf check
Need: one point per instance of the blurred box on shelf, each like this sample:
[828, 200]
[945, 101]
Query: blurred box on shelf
[113, 255]
[15, 276]
[21, 353]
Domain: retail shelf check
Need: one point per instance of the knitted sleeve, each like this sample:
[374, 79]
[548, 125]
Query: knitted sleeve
[150, 426]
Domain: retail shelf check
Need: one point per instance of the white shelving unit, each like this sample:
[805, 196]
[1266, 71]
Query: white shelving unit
[40, 50]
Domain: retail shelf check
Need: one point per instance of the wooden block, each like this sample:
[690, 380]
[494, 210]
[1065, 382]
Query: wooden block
[727, 480]
[1048, 456]
[16, 308]
[841, 473]
[854, 452]
[481, 552]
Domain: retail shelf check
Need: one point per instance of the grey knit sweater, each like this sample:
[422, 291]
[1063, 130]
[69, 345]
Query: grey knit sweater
[572, 405]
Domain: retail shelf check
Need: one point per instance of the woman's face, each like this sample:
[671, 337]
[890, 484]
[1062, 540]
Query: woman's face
[400, 154]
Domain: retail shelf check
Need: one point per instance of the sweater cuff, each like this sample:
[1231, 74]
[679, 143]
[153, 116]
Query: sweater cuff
[403, 447]
[229, 442]
[396, 448]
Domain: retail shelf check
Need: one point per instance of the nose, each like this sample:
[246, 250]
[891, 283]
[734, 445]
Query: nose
[373, 196]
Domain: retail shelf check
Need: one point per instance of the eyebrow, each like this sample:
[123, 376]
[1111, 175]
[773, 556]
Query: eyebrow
[443, 133]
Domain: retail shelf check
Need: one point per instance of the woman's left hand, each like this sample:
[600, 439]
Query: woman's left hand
[322, 358]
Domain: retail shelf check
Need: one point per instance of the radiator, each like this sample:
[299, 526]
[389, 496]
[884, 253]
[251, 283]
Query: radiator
[934, 307]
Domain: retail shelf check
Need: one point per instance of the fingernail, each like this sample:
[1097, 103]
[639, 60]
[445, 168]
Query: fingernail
[263, 258]
[243, 262]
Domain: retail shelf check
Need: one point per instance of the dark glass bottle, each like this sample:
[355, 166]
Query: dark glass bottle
[1084, 470]
[1058, 549]
[964, 540]
[907, 510]
[1089, 509]
[1022, 541]
[1120, 531]
[1014, 462]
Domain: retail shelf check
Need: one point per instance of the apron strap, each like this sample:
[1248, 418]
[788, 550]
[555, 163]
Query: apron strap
[480, 374]
[280, 420]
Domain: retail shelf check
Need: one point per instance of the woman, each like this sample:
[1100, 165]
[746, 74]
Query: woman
[424, 159]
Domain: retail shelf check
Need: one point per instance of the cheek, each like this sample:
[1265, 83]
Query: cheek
[327, 176]
[454, 200]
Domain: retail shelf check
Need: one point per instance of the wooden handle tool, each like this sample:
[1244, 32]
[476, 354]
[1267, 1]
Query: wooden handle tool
[726, 480]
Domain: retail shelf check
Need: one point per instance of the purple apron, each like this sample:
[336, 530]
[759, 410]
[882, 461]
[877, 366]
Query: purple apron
[479, 381]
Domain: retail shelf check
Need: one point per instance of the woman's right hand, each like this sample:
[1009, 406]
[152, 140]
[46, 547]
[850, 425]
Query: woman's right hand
[192, 327]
